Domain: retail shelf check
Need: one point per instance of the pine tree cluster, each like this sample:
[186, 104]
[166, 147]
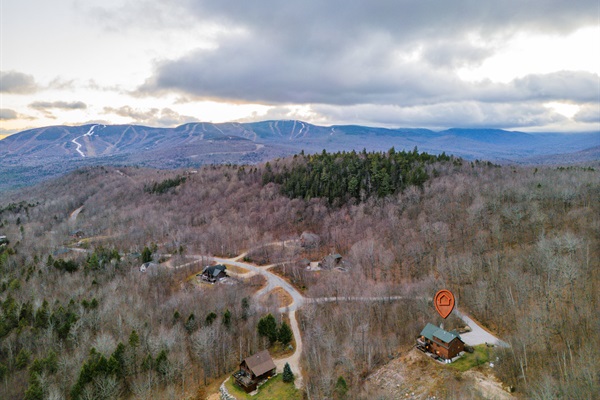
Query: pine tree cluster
[342, 176]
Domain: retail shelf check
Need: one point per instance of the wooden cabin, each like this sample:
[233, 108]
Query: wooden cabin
[254, 370]
[444, 344]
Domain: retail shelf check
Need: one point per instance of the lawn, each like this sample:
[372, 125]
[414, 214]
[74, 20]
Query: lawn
[236, 269]
[273, 389]
[469, 360]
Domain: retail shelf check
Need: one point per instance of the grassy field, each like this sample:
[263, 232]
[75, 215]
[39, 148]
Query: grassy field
[236, 269]
[469, 360]
[274, 389]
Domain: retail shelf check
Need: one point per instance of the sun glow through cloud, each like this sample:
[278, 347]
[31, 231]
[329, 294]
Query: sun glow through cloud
[534, 53]
[568, 110]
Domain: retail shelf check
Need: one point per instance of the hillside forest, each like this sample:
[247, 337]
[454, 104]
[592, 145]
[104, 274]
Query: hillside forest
[518, 246]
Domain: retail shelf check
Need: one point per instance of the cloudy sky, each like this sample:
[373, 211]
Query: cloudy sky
[530, 65]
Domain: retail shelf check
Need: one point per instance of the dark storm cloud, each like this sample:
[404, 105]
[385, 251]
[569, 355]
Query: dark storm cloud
[340, 52]
[17, 83]
[62, 105]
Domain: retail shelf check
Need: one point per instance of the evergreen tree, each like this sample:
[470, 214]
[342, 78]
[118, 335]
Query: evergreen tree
[42, 316]
[227, 319]
[191, 325]
[341, 388]
[267, 327]
[146, 255]
[34, 390]
[3, 371]
[285, 334]
[288, 375]
[162, 363]
[210, 318]
[117, 361]
[134, 339]
[148, 363]
[51, 362]
[22, 359]
[134, 343]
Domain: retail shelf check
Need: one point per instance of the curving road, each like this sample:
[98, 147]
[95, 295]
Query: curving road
[478, 335]
[74, 215]
[274, 281]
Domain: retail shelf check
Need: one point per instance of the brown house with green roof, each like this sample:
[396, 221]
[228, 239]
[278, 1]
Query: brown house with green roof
[442, 343]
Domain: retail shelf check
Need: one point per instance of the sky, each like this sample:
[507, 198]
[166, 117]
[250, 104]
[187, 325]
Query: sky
[528, 65]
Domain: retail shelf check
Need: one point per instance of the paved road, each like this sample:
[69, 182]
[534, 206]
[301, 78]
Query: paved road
[274, 281]
[294, 359]
[74, 215]
[478, 335]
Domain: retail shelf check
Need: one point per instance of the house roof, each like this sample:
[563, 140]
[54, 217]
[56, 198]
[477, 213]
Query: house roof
[214, 270]
[430, 331]
[260, 363]
[333, 257]
[148, 265]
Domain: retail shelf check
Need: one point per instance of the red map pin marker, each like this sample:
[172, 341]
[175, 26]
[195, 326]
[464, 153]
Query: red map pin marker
[444, 302]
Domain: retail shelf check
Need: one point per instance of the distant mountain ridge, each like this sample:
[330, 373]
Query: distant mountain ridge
[35, 154]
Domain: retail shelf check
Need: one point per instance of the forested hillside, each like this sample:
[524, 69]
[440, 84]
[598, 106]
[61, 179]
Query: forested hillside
[339, 177]
[518, 247]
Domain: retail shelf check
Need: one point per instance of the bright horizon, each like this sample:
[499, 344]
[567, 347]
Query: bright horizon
[513, 66]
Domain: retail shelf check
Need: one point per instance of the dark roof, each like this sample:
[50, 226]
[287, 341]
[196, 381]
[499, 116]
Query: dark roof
[431, 331]
[260, 363]
[214, 270]
[333, 257]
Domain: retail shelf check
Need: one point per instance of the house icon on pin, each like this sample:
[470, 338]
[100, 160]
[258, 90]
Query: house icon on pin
[444, 300]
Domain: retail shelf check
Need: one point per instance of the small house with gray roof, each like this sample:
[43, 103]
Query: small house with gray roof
[213, 273]
[444, 344]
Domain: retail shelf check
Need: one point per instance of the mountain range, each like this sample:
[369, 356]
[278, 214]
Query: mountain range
[37, 154]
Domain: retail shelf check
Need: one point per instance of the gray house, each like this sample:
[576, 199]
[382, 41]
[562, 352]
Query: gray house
[213, 273]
